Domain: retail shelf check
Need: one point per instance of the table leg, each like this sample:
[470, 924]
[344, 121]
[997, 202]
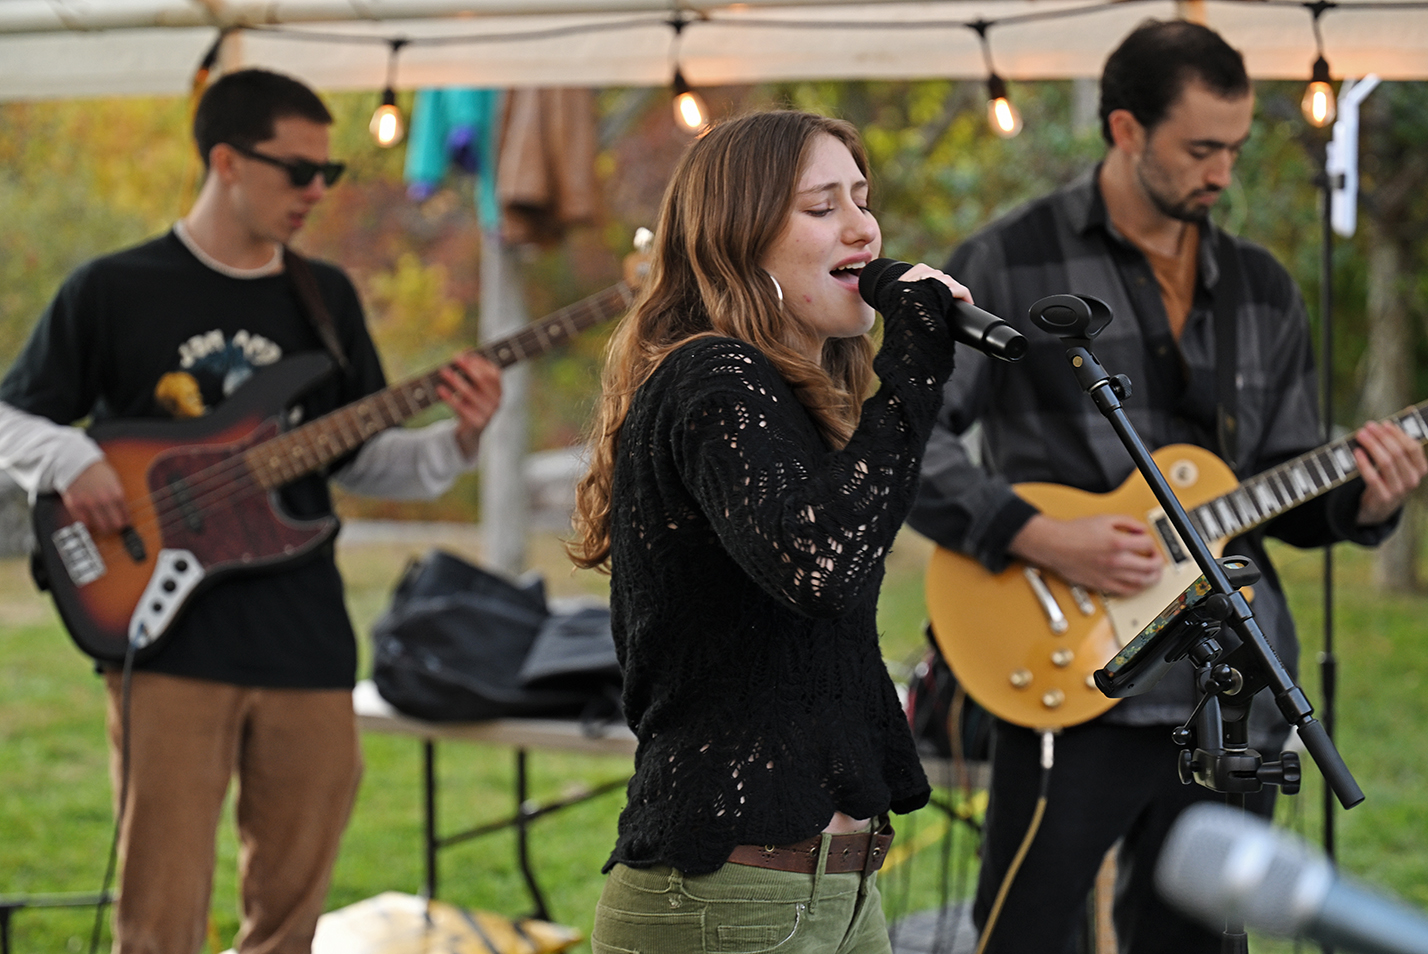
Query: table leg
[525, 813]
[429, 767]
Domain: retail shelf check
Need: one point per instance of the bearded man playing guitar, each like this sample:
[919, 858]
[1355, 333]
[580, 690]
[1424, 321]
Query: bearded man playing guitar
[1176, 108]
[254, 677]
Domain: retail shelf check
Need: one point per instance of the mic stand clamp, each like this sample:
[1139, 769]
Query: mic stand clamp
[1215, 739]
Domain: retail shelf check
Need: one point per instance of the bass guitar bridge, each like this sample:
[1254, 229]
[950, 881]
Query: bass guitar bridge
[78, 553]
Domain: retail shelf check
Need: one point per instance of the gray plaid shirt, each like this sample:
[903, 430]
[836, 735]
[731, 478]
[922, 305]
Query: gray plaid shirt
[1038, 425]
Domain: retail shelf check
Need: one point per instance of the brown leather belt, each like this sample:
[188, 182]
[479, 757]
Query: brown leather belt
[862, 851]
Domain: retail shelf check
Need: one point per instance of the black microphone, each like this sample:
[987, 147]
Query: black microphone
[1221, 864]
[970, 324]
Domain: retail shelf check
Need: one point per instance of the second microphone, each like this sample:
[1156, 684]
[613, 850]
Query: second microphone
[968, 323]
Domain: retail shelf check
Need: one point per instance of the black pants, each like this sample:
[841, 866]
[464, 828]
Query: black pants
[1108, 782]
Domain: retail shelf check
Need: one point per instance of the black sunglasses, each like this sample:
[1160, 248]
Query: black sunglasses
[300, 171]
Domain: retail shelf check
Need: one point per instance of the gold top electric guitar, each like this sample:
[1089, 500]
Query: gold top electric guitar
[1024, 642]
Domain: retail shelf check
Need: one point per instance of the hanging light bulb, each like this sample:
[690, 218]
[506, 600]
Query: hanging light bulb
[387, 126]
[690, 113]
[206, 65]
[1318, 103]
[1003, 116]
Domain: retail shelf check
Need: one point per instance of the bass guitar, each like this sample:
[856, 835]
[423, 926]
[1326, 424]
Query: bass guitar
[1024, 642]
[202, 491]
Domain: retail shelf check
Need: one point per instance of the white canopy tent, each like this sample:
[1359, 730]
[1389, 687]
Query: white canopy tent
[68, 48]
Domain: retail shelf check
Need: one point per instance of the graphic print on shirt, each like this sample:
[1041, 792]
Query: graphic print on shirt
[214, 366]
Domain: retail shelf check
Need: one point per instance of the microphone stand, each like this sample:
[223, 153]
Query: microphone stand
[1222, 761]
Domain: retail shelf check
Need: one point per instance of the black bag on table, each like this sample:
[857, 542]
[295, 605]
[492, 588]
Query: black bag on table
[457, 644]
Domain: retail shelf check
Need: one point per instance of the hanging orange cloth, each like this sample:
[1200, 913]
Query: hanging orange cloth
[546, 171]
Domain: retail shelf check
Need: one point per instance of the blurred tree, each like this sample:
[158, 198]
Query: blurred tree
[77, 181]
[939, 172]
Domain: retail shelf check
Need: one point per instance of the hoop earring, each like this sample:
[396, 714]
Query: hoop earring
[777, 287]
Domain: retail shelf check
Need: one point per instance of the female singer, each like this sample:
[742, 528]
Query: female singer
[744, 495]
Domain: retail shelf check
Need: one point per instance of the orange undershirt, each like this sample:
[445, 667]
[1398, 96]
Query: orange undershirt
[1175, 274]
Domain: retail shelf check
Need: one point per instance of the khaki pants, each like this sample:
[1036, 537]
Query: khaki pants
[739, 910]
[296, 757]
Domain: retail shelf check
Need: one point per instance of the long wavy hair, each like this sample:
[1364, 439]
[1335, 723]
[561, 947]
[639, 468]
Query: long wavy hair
[728, 201]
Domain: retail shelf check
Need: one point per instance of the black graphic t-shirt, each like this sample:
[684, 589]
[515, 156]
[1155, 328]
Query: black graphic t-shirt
[151, 332]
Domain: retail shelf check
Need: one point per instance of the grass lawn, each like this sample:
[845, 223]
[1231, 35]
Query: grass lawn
[54, 795]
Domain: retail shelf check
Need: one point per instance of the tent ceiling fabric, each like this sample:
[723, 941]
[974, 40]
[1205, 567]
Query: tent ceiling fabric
[66, 48]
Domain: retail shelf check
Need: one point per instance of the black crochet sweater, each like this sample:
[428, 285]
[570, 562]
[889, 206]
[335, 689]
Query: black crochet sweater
[746, 561]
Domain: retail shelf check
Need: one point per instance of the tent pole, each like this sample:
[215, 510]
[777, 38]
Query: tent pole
[504, 499]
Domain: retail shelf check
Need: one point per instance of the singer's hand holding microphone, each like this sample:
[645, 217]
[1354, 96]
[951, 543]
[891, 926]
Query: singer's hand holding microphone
[968, 323]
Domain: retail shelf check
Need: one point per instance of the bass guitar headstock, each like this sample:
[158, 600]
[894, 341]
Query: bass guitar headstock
[636, 267]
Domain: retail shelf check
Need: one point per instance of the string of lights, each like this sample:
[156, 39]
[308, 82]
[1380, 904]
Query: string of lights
[692, 114]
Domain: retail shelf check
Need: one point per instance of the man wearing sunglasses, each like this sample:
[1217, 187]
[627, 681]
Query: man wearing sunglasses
[255, 678]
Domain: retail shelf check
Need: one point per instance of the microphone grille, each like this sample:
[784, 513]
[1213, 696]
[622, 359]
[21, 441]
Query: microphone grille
[876, 274]
[1220, 864]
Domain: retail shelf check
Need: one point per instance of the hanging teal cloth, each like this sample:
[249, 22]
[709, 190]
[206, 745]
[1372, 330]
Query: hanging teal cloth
[459, 127]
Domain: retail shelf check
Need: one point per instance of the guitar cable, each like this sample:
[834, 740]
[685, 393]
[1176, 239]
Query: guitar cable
[1047, 760]
[109, 870]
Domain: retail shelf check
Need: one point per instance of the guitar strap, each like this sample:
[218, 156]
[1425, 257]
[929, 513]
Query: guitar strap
[305, 285]
[1227, 295]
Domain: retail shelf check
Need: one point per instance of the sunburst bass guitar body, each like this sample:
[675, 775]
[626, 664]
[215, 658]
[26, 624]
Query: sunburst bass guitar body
[1024, 642]
[200, 510]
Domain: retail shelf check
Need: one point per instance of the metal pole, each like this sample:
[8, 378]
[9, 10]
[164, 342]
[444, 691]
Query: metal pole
[1328, 664]
[429, 775]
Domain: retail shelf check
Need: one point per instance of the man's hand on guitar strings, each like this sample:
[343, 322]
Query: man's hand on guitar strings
[1392, 465]
[1108, 552]
[473, 394]
[96, 498]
